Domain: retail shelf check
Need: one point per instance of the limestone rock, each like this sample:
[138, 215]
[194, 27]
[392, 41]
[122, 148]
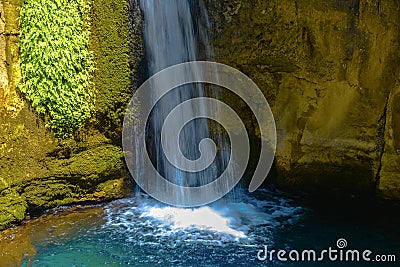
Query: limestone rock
[330, 71]
[3, 67]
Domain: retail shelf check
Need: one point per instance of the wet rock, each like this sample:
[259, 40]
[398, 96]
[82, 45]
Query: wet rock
[330, 70]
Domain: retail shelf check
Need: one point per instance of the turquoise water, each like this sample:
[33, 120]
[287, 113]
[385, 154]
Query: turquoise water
[139, 231]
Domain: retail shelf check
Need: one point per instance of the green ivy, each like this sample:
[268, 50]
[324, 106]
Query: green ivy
[56, 64]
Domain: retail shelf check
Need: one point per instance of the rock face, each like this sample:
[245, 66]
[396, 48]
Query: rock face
[38, 171]
[330, 71]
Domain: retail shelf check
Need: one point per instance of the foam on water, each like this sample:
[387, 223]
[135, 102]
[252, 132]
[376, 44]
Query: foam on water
[204, 218]
[144, 220]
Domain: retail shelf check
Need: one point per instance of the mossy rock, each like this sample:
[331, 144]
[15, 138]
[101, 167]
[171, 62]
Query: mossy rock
[12, 207]
[39, 171]
[116, 44]
[329, 70]
[77, 178]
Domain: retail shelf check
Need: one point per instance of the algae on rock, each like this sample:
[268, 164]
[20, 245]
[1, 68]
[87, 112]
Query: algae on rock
[117, 46]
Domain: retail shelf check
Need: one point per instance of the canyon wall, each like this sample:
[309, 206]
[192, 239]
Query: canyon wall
[330, 71]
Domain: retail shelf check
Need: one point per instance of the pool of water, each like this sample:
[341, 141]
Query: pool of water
[139, 231]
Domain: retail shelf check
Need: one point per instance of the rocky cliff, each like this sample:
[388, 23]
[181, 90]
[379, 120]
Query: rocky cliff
[39, 171]
[330, 71]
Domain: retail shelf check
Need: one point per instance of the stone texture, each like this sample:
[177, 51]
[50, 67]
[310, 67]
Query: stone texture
[3, 68]
[390, 169]
[330, 70]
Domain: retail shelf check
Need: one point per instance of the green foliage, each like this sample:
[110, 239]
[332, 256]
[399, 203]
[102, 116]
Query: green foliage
[56, 63]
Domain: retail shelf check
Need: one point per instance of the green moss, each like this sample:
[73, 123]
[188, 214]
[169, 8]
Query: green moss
[111, 44]
[102, 161]
[12, 207]
[112, 188]
[77, 178]
[48, 193]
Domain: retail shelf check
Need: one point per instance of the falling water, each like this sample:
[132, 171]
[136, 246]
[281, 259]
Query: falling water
[172, 35]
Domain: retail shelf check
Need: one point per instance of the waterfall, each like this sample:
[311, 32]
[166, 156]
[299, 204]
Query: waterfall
[173, 35]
